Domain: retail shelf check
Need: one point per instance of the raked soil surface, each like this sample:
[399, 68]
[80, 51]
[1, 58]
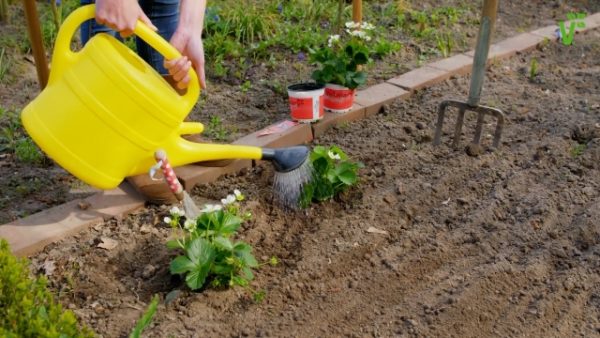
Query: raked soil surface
[501, 244]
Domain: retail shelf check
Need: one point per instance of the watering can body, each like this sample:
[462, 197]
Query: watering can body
[105, 111]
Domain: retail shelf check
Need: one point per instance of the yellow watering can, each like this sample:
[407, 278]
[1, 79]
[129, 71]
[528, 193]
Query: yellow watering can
[105, 112]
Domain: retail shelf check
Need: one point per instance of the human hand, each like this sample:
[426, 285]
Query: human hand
[189, 44]
[121, 15]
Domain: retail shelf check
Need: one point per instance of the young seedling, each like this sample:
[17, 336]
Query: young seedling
[333, 174]
[146, 319]
[533, 68]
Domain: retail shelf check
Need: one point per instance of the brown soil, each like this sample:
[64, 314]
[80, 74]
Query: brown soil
[29, 189]
[504, 244]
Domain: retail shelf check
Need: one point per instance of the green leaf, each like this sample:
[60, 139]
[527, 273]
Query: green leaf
[223, 243]
[244, 252]
[361, 58]
[230, 223]
[174, 244]
[195, 279]
[307, 194]
[349, 50]
[360, 78]
[222, 269]
[181, 264]
[146, 318]
[200, 251]
[239, 281]
[348, 177]
[319, 150]
[247, 273]
[321, 165]
[338, 151]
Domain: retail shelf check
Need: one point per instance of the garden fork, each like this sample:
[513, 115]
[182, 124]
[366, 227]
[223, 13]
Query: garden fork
[488, 18]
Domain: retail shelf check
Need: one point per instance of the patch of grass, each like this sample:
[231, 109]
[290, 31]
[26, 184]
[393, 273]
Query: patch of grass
[533, 68]
[445, 43]
[216, 130]
[14, 140]
[10, 130]
[5, 64]
[578, 150]
[27, 152]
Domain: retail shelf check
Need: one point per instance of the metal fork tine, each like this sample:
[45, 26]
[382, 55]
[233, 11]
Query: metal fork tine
[458, 127]
[440, 123]
[478, 127]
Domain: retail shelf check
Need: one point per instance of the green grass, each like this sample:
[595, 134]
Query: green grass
[578, 150]
[533, 68]
[5, 64]
[14, 140]
[216, 130]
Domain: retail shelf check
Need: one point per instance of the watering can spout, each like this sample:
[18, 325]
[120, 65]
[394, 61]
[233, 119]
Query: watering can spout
[182, 151]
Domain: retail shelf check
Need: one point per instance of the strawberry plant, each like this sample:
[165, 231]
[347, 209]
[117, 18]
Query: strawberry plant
[210, 254]
[333, 174]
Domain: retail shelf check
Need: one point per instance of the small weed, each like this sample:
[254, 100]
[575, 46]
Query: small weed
[146, 318]
[245, 87]
[27, 152]
[384, 47]
[216, 130]
[578, 150]
[10, 130]
[5, 63]
[259, 296]
[533, 68]
[445, 43]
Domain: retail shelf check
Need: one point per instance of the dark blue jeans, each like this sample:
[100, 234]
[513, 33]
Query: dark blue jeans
[164, 14]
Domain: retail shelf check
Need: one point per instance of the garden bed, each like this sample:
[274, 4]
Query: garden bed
[242, 102]
[505, 243]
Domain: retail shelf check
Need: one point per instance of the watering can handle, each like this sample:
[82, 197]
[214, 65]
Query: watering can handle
[83, 13]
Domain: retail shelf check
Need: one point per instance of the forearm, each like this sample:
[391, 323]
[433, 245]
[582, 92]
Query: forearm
[191, 17]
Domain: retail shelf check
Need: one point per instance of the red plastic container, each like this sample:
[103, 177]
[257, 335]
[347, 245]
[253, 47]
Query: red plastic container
[338, 99]
[306, 102]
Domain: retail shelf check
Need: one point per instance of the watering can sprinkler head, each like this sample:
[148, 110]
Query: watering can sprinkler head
[286, 159]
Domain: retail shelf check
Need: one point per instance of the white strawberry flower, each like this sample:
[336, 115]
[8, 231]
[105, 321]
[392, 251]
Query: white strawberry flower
[333, 39]
[333, 155]
[167, 220]
[238, 195]
[228, 200]
[175, 211]
[352, 24]
[189, 225]
[360, 34]
[367, 26]
[211, 208]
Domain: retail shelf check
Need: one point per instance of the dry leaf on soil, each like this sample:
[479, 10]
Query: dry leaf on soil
[108, 243]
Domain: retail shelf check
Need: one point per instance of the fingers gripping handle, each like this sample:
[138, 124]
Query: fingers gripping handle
[169, 174]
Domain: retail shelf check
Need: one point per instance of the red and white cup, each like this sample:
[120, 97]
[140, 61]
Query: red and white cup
[338, 99]
[306, 102]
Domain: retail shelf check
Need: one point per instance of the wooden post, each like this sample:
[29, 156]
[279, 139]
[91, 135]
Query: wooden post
[37, 45]
[357, 10]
